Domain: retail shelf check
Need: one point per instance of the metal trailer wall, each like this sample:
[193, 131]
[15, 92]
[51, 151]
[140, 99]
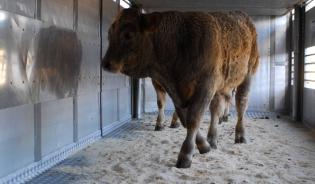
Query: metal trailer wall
[308, 116]
[50, 82]
[269, 90]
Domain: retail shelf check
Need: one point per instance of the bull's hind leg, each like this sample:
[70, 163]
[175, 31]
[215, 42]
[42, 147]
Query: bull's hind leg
[192, 121]
[217, 107]
[241, 99]
[175, 123]
[161, 98]
[226, 114]
[202, 144]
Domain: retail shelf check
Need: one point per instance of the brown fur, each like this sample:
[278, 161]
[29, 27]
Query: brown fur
[216, 51]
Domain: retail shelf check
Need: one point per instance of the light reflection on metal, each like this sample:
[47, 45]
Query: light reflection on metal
[2, 16]
[3, 67]
[39, 62]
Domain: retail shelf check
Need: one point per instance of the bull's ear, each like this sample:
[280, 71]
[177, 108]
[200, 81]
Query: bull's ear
[150, 22]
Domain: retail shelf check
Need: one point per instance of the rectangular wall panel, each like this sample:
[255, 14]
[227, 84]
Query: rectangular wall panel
[88, 114]
[110, 106]
[58, 12]
[124, 103]
[21, 7]
[88, 17]
[260, 94]
[309, 91]
[16, 138]
[57, 124]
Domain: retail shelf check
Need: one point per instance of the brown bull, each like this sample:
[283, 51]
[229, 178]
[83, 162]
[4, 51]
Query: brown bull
[197, 57]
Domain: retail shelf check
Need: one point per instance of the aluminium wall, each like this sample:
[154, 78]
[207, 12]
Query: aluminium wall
[51, 90]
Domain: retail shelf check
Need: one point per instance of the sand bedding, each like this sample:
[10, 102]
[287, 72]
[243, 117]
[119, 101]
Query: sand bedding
[277, 151]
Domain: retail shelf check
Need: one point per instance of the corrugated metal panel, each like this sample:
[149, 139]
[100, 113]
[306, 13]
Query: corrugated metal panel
[16, 138]
[22, 7]
[57, 125]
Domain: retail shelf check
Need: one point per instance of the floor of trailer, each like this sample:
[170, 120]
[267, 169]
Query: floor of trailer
[277, 151]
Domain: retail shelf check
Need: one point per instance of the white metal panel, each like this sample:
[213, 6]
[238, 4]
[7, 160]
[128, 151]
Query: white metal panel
[88, 114]
[57, 124]
[110, 106]
[124, 103]
[58, 12]
[16, 138]
[21, 7]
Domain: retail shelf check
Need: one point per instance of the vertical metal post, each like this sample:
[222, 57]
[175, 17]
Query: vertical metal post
[289, 102]
[37, 106]
[136, 98]
[75, 97]
[300, 64]
[37, 132]
[101, 72]
[272, 63]
[38, 5]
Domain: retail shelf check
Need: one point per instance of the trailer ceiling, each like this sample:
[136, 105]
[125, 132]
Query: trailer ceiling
[252, 7]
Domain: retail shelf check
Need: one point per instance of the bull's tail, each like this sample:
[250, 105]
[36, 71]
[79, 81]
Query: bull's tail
[254, 57]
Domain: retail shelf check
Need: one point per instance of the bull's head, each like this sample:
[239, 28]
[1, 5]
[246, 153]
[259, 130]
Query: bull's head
[126, 41]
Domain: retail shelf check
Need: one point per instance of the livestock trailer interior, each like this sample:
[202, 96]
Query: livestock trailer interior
[63, 119]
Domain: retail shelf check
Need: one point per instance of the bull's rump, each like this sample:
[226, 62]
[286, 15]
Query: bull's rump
[238, 42]
[197, 41]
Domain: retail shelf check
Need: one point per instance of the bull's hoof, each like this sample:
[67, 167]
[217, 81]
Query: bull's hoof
[158, 128]
[175, 125]
[212, 142]
[183, 163]
[225, 118]
[240, 140]
[204, 148]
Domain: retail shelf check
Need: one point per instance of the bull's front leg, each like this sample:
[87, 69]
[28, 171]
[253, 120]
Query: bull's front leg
[175, 123]
[161, 99]
[192, 122]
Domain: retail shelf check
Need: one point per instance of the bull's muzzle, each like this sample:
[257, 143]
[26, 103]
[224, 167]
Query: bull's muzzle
[106, 65]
